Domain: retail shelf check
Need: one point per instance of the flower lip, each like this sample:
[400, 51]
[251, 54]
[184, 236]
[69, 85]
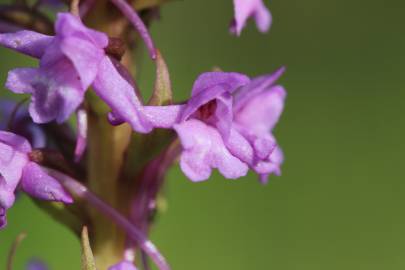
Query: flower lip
[206, 111]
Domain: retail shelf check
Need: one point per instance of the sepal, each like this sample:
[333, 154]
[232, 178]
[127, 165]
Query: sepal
[162, 94]
[88, 262]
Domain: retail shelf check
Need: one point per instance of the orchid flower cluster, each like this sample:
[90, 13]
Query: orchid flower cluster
[104, 175]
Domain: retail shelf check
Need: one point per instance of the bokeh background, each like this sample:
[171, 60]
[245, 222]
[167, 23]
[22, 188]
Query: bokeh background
[339, 203]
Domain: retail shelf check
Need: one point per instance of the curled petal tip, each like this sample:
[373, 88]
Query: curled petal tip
[281, 69]
[65, 198]
[138, 24]
[37, 183]
[114, 119]
[153, 54]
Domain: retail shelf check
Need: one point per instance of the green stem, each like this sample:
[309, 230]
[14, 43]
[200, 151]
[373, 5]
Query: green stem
[106, 148]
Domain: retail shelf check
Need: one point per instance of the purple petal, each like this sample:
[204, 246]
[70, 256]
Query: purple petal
[203, 149]
[264, 156]
[264, 146]
[85, 56]
[224, 114]
[37, 183]
[163, 116]
[195, 102]
[210, 86]
[230, 81]
[123, 265]
[244, 9]
[120, 97]
[55, 86]
[7, 196]
[82, 45]
[68, 25]
[263, 143]
[27, 42]
[114, 120]
[12, 162]
[17, 142]
[261, 113]
[257, 109]
[67, 68]
[57, 90]
[259, 151]
[50, 103]
[239, 146]
[255, 87]
[262, 17]
[20, 80]
[271, 166]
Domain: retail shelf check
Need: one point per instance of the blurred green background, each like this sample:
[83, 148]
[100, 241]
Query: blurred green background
[339, 202]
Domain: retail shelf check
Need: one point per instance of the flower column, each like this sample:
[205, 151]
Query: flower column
[107, 145]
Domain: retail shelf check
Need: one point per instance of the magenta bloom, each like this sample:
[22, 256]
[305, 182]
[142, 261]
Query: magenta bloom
[70, 62]
[227, 125]
[123, 265]
[68, 65]
[244, 9]
[205, 122]
[16, 168]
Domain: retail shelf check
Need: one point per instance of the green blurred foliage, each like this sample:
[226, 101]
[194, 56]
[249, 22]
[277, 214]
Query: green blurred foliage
[339, 202]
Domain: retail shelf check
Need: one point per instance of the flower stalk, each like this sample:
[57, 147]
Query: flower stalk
[107, 145]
